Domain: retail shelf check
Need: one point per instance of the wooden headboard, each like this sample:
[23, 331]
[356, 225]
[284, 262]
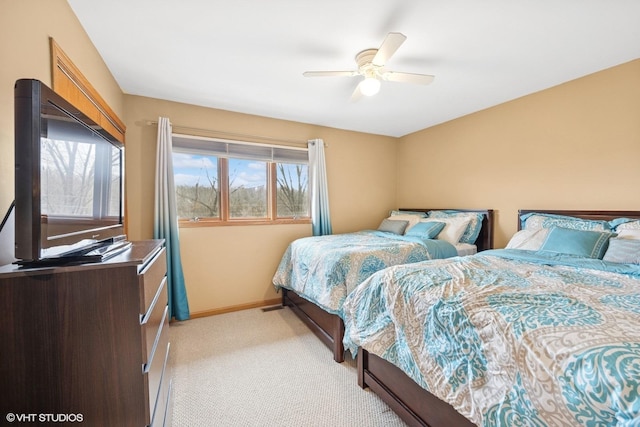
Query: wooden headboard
[485, 238]
[584, 214]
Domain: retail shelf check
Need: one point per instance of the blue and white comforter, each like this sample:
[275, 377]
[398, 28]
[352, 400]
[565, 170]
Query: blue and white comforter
[324, 269]
[510, 337]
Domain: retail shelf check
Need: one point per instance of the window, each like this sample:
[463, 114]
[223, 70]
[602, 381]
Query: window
[292, 195]
[222, 182]
[197, 185]
[247, 188]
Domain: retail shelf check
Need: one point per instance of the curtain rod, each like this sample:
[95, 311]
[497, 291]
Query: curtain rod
[231, 134]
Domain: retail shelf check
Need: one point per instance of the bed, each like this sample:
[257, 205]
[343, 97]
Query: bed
[340, 262]
[543, 332]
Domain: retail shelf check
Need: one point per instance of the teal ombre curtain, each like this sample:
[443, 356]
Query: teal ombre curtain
[165, 223]
[320, 217]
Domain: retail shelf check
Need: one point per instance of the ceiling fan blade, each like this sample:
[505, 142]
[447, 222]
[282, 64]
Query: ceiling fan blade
[395, 76]
[329, 73]
[357, 94]
[388, 47]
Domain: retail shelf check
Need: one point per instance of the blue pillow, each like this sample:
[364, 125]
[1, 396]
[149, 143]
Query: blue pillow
[587, 243]
[426, 230]
[393, 226]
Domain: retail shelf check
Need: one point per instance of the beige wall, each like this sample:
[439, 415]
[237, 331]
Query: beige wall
[25, 28]
[574, 146]
[233, 266]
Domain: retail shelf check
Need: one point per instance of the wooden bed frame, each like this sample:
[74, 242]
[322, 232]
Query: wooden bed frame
[412, 403]
[330, 327]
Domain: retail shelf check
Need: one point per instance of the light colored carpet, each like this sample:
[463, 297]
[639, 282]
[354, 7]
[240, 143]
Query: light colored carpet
[229, 370]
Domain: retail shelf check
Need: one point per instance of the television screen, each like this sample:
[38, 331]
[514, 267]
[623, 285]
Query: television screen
[80, 178]
[69, 177]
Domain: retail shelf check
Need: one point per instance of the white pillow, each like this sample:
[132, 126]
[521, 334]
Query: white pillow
[412, 219]
[530, 239]
[631, 225]
[625, 251]
[628, 234]
[453, 229]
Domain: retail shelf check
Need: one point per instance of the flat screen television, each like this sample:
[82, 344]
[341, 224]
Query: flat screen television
[69, 186]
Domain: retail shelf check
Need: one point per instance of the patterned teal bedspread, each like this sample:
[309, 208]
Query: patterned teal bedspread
[510, 337]
[324, 269]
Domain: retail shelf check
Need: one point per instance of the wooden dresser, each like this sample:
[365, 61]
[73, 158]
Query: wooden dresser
[87, 344]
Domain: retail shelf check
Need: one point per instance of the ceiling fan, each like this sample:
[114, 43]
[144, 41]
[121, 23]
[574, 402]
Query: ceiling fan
[371, 66]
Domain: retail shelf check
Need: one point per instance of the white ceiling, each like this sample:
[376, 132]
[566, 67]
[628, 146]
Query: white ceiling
[249, 55]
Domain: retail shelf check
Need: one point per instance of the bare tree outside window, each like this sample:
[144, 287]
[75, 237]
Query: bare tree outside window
[292, 190]
[247, 189]
[213, 186]
[79, 179]
[67, 178]
[197, 186]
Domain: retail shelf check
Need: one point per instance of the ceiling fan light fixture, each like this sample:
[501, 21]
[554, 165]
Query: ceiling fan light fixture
[371, 66]
[370, 86]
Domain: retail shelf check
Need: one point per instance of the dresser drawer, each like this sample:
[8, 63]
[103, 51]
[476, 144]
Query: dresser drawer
[153, 319]
[150, 279]
[155, 366]
[164, 394]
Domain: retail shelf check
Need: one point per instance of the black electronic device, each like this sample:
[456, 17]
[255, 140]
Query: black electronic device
[69, 179]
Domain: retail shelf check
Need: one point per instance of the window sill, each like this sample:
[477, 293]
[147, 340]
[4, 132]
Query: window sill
[218, 223]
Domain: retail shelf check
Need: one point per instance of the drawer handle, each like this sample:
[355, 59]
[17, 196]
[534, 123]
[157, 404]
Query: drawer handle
[144, 319]
[164, 377]
[147, 366]
[150, 264]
